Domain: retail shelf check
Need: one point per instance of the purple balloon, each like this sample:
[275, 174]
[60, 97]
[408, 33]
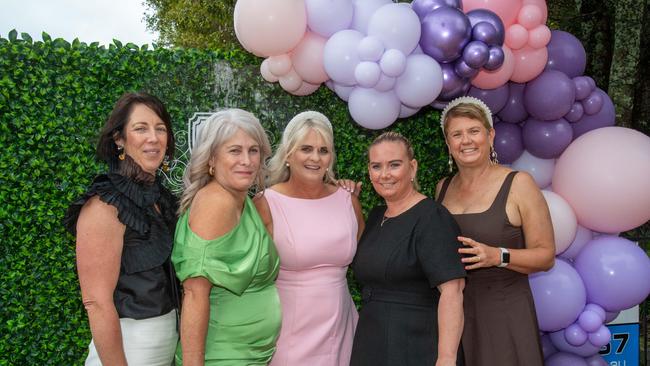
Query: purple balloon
[583, 87]
[615, 272]
[565, 359]
[606, 117]
[464, 70]
[547, 139]
[611, 315]
[593, 103]
[483, 15]
[583, 235]
[559, 341]
[559, 296]
[548, 348]
[508, 142]
[592, 82]
[495, 58]
[549, 96]
[600, 337]
[494, 98]
[453, 86]
[596, 360]
[566, 54]
[598, 310]
[424, 7]
[486, 33]
[476, 54]
[445, 32]
[575, 113]
[514, 110]
[590, 321]
[575, 335]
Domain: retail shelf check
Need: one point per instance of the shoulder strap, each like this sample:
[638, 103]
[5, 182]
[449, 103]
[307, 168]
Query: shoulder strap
[502, 196]
[443, 190]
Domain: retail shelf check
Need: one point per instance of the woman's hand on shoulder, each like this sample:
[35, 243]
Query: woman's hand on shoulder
[214, 212]
[351, 186]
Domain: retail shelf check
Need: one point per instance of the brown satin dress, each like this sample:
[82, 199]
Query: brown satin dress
[500, 321]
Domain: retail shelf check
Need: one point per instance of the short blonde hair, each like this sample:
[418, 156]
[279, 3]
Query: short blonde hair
[468, 107]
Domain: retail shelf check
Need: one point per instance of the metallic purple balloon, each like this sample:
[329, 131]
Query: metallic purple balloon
[424, 7]
[549, 96]
[453, 86]
[593, 103]
[486, 33]
[605, 117]
[508, 142]
[483, 15]
[475, 54]
[547, 139]
[495, 58]
[445, 32]
[583, 87]
[514, 110]
[494, 98]
[464, 70]
[575, 113]
[566, 54]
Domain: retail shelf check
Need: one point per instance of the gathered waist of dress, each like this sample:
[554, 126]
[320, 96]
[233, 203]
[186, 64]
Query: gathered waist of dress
[494, 274]
[316, 277]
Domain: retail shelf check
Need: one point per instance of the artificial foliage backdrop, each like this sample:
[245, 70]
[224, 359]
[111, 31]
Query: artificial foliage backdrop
[54, 98]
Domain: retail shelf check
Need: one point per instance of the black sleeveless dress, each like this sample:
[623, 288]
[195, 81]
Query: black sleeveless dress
[500, 320]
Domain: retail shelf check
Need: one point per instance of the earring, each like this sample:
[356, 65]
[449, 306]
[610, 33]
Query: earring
[165, 164]
[451, 164]
[412, 180]
[493, 156]
[286, 164]
[121, 154]
[211, 171]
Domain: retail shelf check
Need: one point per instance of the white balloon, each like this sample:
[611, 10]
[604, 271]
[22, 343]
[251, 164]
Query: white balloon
[421, 82]
[563, 219]
[540, 169]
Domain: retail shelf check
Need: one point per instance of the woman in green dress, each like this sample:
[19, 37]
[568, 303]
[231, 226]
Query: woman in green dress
[222, 253]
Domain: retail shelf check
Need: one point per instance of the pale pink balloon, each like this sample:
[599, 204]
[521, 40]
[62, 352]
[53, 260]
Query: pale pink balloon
[542, 6]
[507, 10]
[604, 176]
[270, 27]
[516, 36]
[305, 89]
[279, 65]
[563, 219]
[530, 16]
[529, 63]
[307, 58]
[539, 36]
[291, 81]
[266, 73]
[494, 79]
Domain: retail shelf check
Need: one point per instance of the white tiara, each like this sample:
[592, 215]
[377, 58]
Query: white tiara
[302, 116]
[468, 100]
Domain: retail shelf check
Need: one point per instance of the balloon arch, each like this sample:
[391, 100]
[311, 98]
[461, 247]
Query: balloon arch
[388, 60]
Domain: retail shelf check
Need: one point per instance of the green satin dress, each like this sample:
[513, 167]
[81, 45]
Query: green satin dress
[245, 315]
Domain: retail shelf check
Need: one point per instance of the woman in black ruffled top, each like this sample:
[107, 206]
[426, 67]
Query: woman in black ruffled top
[124, 227]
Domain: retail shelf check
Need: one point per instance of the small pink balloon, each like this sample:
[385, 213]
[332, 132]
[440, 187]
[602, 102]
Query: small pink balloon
[291, 81]
[530, 16]
[539, 36]
[494, 79]
[529, 63]
[305, 89]
[279, 65]
[266, 73]
[307, 58]
[516, 36]
[541, 4]
[507, 10]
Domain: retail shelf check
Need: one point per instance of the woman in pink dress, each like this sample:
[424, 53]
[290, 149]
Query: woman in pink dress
[315, 226]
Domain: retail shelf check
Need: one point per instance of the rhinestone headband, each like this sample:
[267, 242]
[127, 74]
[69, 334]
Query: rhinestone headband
[468, 100]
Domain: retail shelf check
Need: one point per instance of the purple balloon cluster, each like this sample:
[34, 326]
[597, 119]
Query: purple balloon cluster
[462, 43]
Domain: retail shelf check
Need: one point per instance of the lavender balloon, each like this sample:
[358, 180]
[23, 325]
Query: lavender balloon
[514, 110]
[463, 70]
[540, 169]
[576, 112]
[583, 87]
[495, 58]
[453, 86]
[483, 15]
[559, 341]
[548, 348]
[547, 139]
[605, 117]
[589, 321]
[508, 142]
[575, 335]
[600, 337]
[494, 98]
[596, 360]
[583, 235]
[593, 103]
[424, 7]
[565, 359]
[476, 54]
[445, 32]
[549, 96]
[566, 54]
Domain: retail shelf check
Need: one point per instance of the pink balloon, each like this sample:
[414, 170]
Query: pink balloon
[494, 79]
[604, 176]
[266, 73]
[530, 16]
[539, 36]
[564, 221]
[529, 63]
[305, 89]
[291, 81]
[270, 27]
[279, 65]
[307, 58]
[516, 36]
[541, 4]
[507, 10]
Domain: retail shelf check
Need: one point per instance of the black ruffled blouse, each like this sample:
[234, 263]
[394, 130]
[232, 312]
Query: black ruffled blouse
[147, 286]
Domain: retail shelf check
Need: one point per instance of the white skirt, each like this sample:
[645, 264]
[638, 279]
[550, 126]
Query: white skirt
[147, 342]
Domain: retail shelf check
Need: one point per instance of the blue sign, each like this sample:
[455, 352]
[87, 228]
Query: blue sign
[623, 348]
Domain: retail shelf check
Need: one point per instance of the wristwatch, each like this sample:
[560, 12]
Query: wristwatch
[505, 257]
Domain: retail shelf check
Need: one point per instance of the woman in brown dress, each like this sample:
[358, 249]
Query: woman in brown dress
[506, 232]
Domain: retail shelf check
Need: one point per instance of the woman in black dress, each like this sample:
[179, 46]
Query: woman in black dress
[408, 264]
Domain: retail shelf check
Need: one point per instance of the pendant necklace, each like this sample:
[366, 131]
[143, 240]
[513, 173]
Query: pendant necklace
[384, 219]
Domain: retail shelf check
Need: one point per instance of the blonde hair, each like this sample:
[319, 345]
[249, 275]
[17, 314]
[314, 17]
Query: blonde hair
[217, 129]
[392, 136]
[468, 107]
[296, 130]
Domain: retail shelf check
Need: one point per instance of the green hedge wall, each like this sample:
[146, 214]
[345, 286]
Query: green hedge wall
[55, 96]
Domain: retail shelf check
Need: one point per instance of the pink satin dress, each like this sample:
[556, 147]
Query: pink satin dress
[316, 240]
